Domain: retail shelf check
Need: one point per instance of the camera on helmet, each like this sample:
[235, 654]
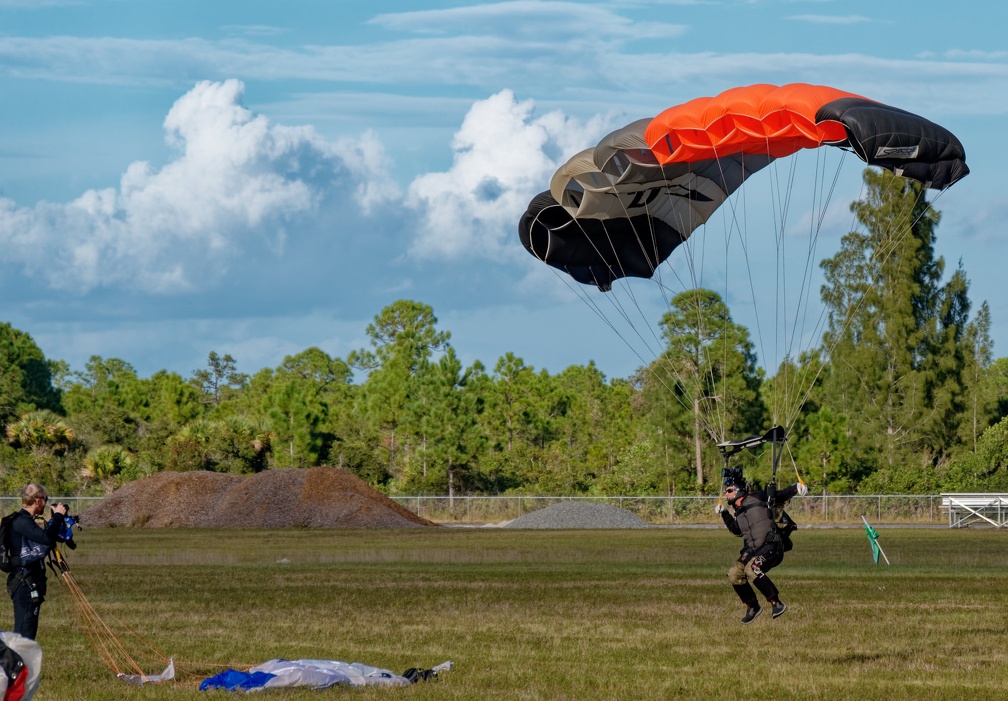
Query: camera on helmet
[732, 477]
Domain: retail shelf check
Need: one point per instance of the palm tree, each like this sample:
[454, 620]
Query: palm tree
[104, 463]
[41, 431]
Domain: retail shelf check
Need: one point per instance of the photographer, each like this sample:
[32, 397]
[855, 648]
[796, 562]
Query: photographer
[29, 544]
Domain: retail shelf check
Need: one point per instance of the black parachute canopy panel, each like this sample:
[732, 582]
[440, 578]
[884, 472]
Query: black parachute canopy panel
[595, 251]
[900, 141]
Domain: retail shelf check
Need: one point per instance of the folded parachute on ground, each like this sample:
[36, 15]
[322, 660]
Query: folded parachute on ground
[316, 674]
[620, 209]
[20, 667]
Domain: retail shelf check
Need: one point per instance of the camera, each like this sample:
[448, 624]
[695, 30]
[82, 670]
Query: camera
[66, 533]
[733, 476]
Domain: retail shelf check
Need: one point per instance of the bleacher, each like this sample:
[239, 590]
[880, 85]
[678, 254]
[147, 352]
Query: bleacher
[985, 510]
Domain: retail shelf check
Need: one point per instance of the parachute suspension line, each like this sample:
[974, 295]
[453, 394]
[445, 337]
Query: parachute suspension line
[686, 376]
[743, 235]
[792, 390]
[111, 650]
[824, 199]
[730, 224]
[794, 350]
[820, 205]
[820, 328]
[656, 268]
[629, 290]
[781, 206]
[676, 375]
[794, 464]
[789, 394]
[877, 261]
[621, 312]
[707, 409]
[582, 294]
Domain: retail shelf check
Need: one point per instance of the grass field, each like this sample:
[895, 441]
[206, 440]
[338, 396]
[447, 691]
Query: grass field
[644, 614]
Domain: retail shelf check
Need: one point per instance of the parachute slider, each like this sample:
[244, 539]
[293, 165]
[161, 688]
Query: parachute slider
[141, 679]
[777, 434]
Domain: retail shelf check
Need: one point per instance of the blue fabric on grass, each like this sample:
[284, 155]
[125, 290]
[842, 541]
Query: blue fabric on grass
[232, 679]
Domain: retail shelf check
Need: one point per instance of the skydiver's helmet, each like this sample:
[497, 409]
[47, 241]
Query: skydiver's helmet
[732, 477]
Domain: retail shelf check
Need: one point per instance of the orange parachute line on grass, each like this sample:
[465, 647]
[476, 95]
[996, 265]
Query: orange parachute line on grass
[118, 655]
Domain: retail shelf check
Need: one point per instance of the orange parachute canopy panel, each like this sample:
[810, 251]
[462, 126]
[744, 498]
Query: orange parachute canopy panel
[763, 119]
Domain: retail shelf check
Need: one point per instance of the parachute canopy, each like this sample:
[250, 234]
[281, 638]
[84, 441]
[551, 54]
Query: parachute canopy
[620, 209]
[316, 674]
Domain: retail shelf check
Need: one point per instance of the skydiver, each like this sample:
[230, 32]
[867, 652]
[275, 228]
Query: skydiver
[763, 547]
[30, 543]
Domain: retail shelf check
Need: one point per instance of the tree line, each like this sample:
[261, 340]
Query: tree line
[902, 395]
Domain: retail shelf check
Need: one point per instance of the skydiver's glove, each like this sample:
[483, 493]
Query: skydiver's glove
[802, 489]
[718, 508]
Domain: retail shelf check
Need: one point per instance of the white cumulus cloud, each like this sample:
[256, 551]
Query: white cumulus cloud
[236, 184]
[503, 155]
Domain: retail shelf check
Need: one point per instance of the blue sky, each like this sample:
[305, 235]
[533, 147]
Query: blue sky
[256, 178]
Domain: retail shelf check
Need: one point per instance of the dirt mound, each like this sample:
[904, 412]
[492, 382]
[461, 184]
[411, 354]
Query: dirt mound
[321, 497]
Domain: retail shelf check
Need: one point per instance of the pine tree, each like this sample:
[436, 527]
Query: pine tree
[896, 336]
[403, 336]
[978, 386]
[709, 367]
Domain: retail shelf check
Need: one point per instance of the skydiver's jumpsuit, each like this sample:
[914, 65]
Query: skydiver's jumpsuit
[762, 549]
[30, 543]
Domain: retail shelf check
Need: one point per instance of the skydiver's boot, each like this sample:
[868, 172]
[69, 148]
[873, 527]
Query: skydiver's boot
[751, 614]
[748, 597]
[778, 608]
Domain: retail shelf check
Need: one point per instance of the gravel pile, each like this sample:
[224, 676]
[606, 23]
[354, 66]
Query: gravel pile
[578, 514]
[318, 497]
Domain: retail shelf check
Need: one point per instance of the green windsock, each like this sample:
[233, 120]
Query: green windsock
[873, 539]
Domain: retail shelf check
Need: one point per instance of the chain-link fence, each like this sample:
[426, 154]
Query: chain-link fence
[832, 509]
[840, 509]
[75, 505]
